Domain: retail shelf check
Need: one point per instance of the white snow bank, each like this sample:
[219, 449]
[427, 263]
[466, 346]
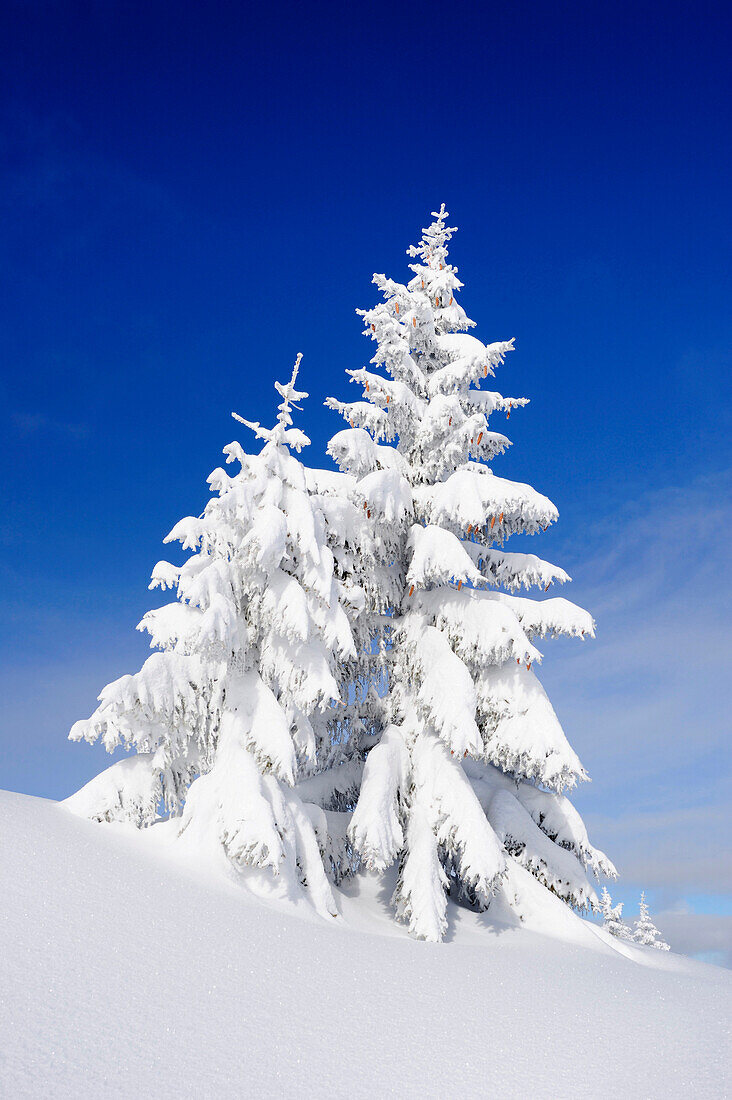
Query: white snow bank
[132, 968]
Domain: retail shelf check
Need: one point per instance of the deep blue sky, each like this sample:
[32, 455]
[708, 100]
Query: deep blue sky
[193, 193]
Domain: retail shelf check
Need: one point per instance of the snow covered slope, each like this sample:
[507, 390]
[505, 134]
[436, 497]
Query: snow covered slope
[129, 968]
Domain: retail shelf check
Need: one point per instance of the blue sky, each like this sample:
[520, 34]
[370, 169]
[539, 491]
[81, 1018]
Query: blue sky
[193, 194]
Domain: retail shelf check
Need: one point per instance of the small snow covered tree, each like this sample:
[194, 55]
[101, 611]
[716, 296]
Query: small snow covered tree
[613, 917]
[244, 695]
[466, 775]
[645, 931]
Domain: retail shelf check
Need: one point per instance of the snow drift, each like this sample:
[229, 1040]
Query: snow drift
[131, 966]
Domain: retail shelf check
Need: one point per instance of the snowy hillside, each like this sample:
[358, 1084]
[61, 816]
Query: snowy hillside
[131, 967]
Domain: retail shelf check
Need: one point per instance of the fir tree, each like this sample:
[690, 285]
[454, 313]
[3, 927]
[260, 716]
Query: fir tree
[467, 773]
[243, 696]
[613, 922]
[645, 931]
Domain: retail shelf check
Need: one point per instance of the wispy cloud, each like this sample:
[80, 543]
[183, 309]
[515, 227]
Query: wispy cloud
[706, 936]
[648, 703]
[675, 852]
[30, 424]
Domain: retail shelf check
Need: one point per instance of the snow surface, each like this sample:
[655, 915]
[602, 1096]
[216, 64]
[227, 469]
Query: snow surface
[132, 967]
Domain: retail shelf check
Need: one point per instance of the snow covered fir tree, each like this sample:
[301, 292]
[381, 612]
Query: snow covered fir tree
[613, 917]
[347, 676]
[465, 783]
[645, 932]
[243, 696]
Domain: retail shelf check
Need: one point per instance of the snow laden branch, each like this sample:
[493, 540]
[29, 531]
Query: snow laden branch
[283, 432]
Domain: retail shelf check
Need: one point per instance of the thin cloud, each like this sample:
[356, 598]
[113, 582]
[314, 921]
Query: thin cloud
[705, 936]
[647, 703]
[30, 424]
[676, 851]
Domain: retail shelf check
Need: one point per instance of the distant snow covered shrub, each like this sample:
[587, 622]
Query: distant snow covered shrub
[645, 932]
[613, 917]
